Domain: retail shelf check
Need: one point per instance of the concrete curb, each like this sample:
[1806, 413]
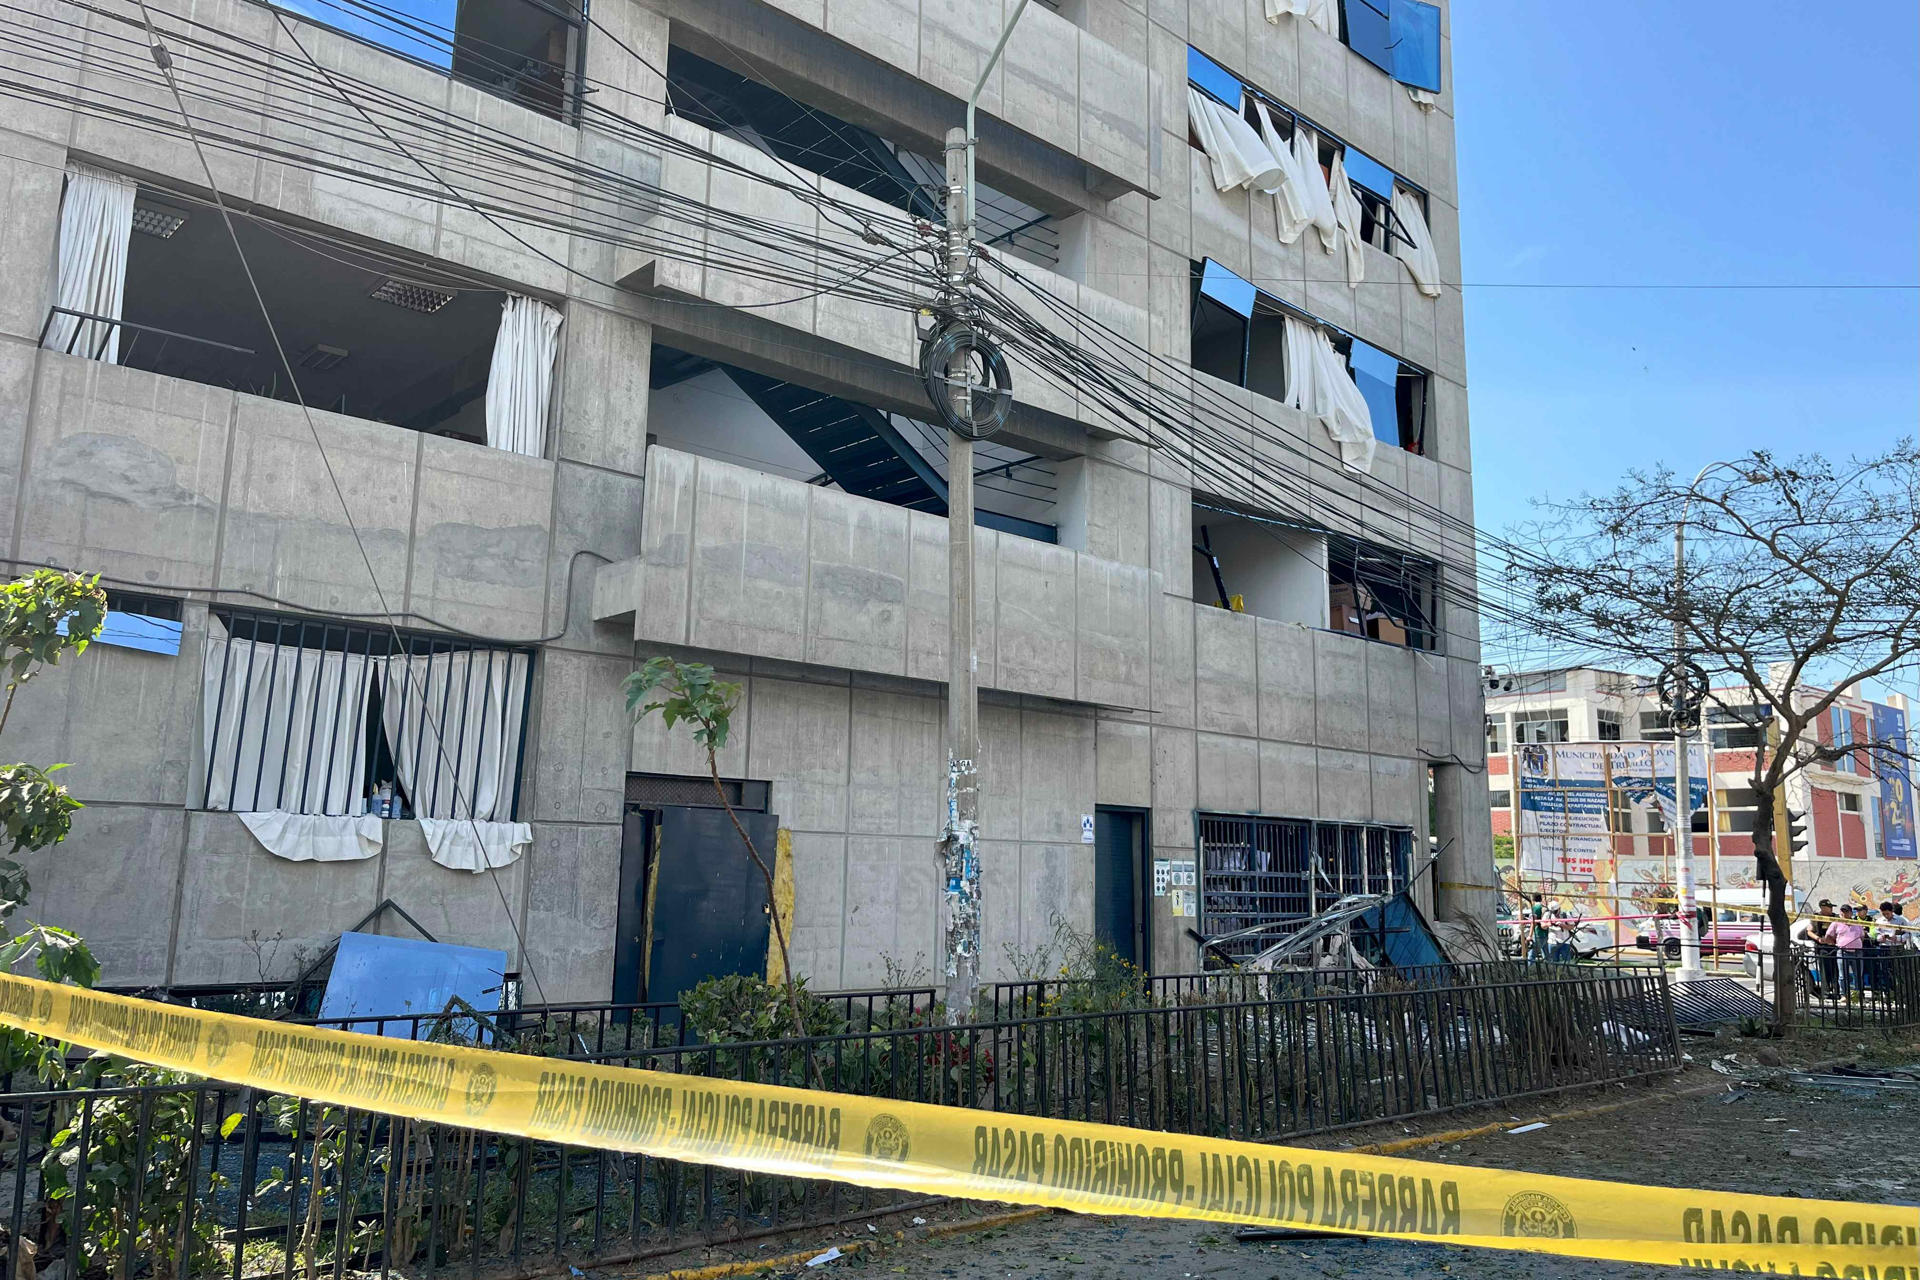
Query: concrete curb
[752, 1266]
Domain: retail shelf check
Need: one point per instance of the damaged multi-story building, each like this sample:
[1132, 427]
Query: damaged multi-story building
[524, 342]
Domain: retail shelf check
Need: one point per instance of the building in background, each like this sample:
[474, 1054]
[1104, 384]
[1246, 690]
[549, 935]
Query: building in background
[1859, 841]
[608, 355]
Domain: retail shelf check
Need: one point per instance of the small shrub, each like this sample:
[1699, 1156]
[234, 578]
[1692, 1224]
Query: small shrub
[739, 1009]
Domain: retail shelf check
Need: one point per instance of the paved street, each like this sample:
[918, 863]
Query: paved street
[1769, 1139]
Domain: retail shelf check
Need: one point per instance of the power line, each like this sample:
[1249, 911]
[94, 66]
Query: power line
[164, 60]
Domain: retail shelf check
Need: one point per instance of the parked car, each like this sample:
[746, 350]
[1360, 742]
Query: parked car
[1759, 952]
[1726, 936]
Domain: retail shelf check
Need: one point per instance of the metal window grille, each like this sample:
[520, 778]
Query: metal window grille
[1283, 871]
[268, 746]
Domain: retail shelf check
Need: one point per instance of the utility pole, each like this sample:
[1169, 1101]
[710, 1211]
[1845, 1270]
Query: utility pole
[1681, 685]
[959, 843]
[960, 898]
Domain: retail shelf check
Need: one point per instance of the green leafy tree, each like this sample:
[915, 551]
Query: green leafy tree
[1803, 587]
[686, 692]
[43, 616]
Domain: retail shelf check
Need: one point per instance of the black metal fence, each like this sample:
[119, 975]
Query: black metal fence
[1040, 996]
[1875, 987]
[175, 1180]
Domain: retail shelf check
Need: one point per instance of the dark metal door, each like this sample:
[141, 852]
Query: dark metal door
[1119, 852]
[630, 927]
[709, 901]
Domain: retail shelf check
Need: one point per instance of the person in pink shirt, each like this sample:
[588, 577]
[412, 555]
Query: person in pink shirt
[1849, 937]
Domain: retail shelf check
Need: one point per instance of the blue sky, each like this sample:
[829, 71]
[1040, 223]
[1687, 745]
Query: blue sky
[1660, 142]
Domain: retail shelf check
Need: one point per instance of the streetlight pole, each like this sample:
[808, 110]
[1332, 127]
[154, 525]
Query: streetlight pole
[960, 906]
[1683, 879]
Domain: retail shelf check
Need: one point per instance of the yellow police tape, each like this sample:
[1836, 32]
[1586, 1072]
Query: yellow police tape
[980, 1155]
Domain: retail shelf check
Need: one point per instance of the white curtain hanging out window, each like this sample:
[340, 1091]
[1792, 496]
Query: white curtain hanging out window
[1346, 212]
[520, 383]
[317, 837]
[284, 726]
[96, 220]
[1238, 156]
[1306, 156]
[464, 844]
[452, 721]
[1319, 12]
[1292, 210]
[1319, 385]
[1423, 264]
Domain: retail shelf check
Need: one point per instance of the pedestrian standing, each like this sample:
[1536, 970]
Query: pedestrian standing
[1849, 938]
[1537, 944]
[1826, 966]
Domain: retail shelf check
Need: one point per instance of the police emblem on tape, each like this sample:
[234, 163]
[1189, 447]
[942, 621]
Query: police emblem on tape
[482, 1084]
[886, 1138]
[1538, 1215]
[219, 1040]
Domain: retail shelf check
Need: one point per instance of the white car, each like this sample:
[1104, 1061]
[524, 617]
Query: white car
[1759, 950]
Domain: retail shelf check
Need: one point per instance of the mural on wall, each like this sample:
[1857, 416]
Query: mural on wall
[1864, 884]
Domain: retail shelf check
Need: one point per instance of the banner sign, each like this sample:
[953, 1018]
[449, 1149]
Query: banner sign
[983, 1155]
[1563, 801]
[1896, 783]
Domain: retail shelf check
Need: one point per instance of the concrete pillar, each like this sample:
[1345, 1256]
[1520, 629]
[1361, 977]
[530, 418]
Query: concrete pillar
[1465, 886]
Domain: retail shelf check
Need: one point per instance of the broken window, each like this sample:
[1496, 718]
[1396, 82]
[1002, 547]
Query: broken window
[1239, 336]
[526, 51]
[1262, 878]
[722, 99]
[1265, 567]
[1372, 183]
[756, 420]
[1396, 394]
[1222, 322]
[369, 335]
[1401, 37]
[314, 716]
[1382, 593]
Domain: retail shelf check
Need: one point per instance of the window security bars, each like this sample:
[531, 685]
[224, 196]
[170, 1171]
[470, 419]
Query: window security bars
[1284, 871]
[309, 715]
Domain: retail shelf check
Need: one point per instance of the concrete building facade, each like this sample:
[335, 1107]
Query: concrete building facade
[673, 505]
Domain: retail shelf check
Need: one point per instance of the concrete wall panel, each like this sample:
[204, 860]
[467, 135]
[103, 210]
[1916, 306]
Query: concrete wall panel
[481, 538]
[124, 471]
[857, 571]
[800, 742]
[573, 900]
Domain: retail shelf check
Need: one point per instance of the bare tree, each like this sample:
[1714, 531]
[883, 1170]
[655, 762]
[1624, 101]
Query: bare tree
[1802, 587]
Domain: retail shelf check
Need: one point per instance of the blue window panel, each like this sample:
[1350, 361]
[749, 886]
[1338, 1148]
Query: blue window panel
[1377, 374]
[417, 29]
[1370, 32]
[1227, 289]
[1416, 44]
[1213, 77]
[136, 631]
[1369, 173]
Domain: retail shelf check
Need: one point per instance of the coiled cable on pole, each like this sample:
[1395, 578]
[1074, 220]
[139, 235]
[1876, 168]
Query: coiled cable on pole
[957, 344]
